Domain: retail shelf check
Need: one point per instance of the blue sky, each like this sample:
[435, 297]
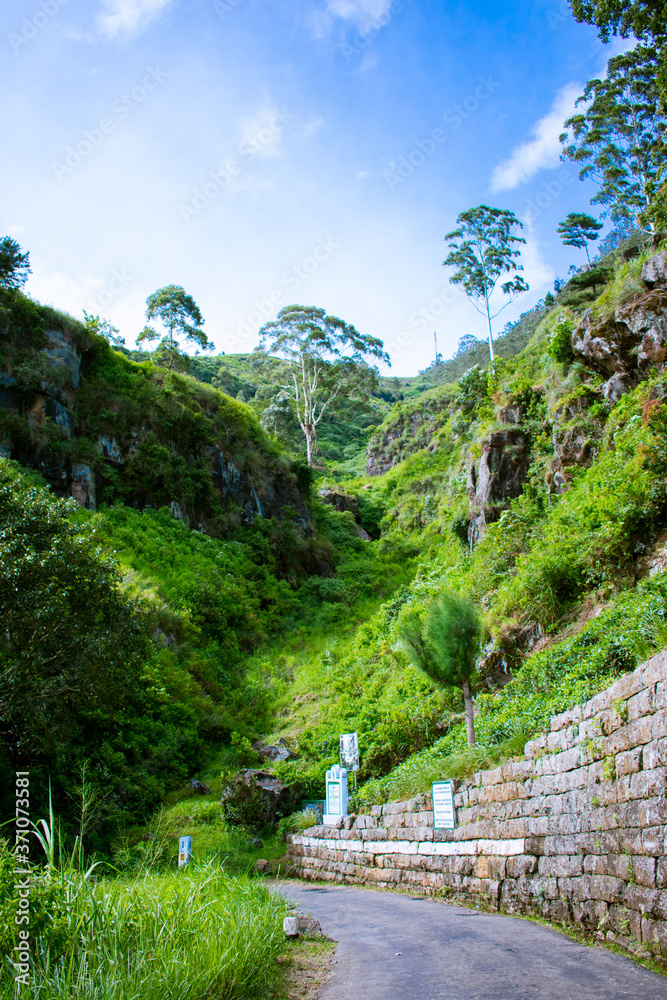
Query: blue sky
[266, 152]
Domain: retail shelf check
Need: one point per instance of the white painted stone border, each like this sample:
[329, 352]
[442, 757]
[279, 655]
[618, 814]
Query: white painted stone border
[454, 848]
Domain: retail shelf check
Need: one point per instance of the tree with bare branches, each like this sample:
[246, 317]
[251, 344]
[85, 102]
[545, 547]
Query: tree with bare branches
[324, 363]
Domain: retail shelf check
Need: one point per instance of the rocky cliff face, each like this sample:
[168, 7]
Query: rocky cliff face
[410, 430]
[626, 346]
[501, 472]
[182, 445]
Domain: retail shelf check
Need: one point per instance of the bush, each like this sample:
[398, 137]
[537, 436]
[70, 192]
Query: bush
[559, 345]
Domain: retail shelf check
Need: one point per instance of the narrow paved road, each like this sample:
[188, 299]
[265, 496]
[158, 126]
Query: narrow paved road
[396, 947]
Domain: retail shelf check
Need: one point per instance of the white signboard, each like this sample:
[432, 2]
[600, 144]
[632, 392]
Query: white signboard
[444, 817]
[336, 785]
[184, 851]
[349, 751]
[333, 798]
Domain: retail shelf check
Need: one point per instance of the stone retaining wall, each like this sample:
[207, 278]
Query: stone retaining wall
[574, 833]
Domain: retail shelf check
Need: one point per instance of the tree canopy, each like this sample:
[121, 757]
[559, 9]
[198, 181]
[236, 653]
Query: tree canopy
[103, 328]
[642, 18]
[324, 363]
[617, 138]
[14, 264]
[68, 637]
[180, 316]
[483, 249]
[578, 230]
[444, 643]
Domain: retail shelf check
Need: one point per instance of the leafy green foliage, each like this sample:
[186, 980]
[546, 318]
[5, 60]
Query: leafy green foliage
[14, 265]
[179, 314]
[473, 389]
[642, 18]
[578, 230]
[444, 644]
[617, 139]
[68, 637]
[559, 347]
[102, 328]
[324, 359]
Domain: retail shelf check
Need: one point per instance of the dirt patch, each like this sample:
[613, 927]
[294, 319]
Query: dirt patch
[307, 966]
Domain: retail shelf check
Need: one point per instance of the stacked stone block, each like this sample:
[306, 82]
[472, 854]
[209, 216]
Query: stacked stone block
[575, 832]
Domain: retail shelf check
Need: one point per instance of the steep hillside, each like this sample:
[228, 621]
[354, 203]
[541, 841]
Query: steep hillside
[100, 427]
[537, 488]
[160, 538]
[539, 491]
[255, 379]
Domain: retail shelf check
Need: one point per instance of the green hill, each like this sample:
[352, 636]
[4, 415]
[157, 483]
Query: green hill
[210, 599]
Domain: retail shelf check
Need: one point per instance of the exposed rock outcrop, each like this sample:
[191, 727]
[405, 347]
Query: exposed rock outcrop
[409, 431]
[254, 799]
[501, 473]
[43, 379]
[626, 346]
[340, 500]
[273, 753]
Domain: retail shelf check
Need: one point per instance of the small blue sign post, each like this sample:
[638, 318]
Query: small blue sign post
[184, 851]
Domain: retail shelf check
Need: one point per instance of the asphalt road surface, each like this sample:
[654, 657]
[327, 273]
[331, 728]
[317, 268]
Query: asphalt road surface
[397, 947]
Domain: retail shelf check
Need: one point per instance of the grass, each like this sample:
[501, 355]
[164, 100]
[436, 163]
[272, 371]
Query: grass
[418, 772]
[193, 934]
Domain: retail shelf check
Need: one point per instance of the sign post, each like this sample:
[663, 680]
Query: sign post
[184, 851]
[336, 782]
[349, 754]
[444, 814]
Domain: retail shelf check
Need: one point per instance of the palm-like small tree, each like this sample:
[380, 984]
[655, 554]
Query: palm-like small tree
[443, 643]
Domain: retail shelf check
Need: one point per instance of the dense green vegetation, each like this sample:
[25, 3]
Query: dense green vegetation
[551, 561]
[197, 933]
[182, 647]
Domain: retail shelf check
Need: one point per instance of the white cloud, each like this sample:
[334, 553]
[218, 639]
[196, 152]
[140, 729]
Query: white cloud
[537, 272]
[366, 16]
[542, 150]
[127, 17]
[362, 13]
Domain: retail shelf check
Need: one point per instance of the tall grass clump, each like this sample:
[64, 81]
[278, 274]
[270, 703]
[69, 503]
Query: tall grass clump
[189, 934]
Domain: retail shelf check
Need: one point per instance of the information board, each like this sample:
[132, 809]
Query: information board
[444, 816]
[333, 798]
[349, 751]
